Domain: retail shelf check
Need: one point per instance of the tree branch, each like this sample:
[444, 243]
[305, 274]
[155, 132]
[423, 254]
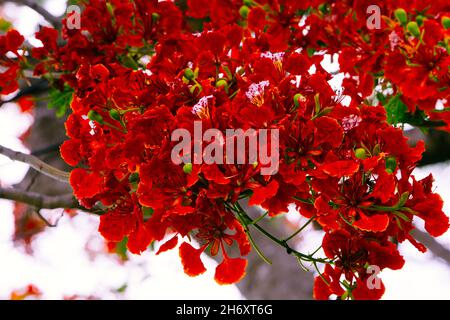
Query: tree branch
[36, 164]
[40, 201]
[54, 21]
[437, 249]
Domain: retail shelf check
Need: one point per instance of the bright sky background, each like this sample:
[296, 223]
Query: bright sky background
[61, 266]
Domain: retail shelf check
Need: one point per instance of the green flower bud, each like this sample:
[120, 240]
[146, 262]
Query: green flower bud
[155, 17]
[243, 11]
[189, 74]
[420, 19]
[147, 212]
[391, 164]
[134, 177]
[401, 16]
[94, 116]
[446, 22]
[187, 168]
[323, 8]
[221, 83]
[361, 153]
[413, 28]
[248, 3]
[114, 114]
[297, 99]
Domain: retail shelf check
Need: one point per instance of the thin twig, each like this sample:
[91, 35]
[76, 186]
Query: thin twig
[37, 200]
[36, 164]
[40, 201]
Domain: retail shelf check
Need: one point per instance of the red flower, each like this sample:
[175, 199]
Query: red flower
[71, 151]
[11, 42]
[149, 67]
[115, 225]
[85, 184]
[256, 19]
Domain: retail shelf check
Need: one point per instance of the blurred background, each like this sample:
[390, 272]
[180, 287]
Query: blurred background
[60, 255]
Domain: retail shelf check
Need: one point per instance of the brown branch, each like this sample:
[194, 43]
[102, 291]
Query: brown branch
[437, 249]
[40, 201]
[36, 164]
[53, 20]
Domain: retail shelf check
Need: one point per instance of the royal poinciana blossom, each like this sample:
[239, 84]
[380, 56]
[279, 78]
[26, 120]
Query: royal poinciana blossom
[141, 69]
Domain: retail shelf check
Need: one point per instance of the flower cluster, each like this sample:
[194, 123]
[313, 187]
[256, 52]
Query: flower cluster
[141, 69]
[408, 55]
[10, 61]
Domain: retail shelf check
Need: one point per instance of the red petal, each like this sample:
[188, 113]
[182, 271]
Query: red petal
[340, 169]
[139, 240]
[230, 270]
[261, 193]
[190, 258]
[328, 131]
[257, 19]
[169, 245]
[321, 290]
[362, 292]
[212, 173]
[26, 104]
[375, 223]
[385, 187]
[241, 238]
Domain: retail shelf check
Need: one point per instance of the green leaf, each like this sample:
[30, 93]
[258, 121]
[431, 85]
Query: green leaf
[147, 212]
[4, 25]
[396, 110]
[60, 100]
[121, 248]
[122, 289]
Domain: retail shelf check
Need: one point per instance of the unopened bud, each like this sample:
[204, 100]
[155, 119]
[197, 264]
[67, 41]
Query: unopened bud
[189, 74]
[94, 116]
[134, 177]
[413, 28]
[446, 22]
[361, 153]
[297, 99]
[243, 11]
[155, 17]
[114, 114]
[420, 19]
[221, 83]
[391, 164]
[187, 168]
[401, 16]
